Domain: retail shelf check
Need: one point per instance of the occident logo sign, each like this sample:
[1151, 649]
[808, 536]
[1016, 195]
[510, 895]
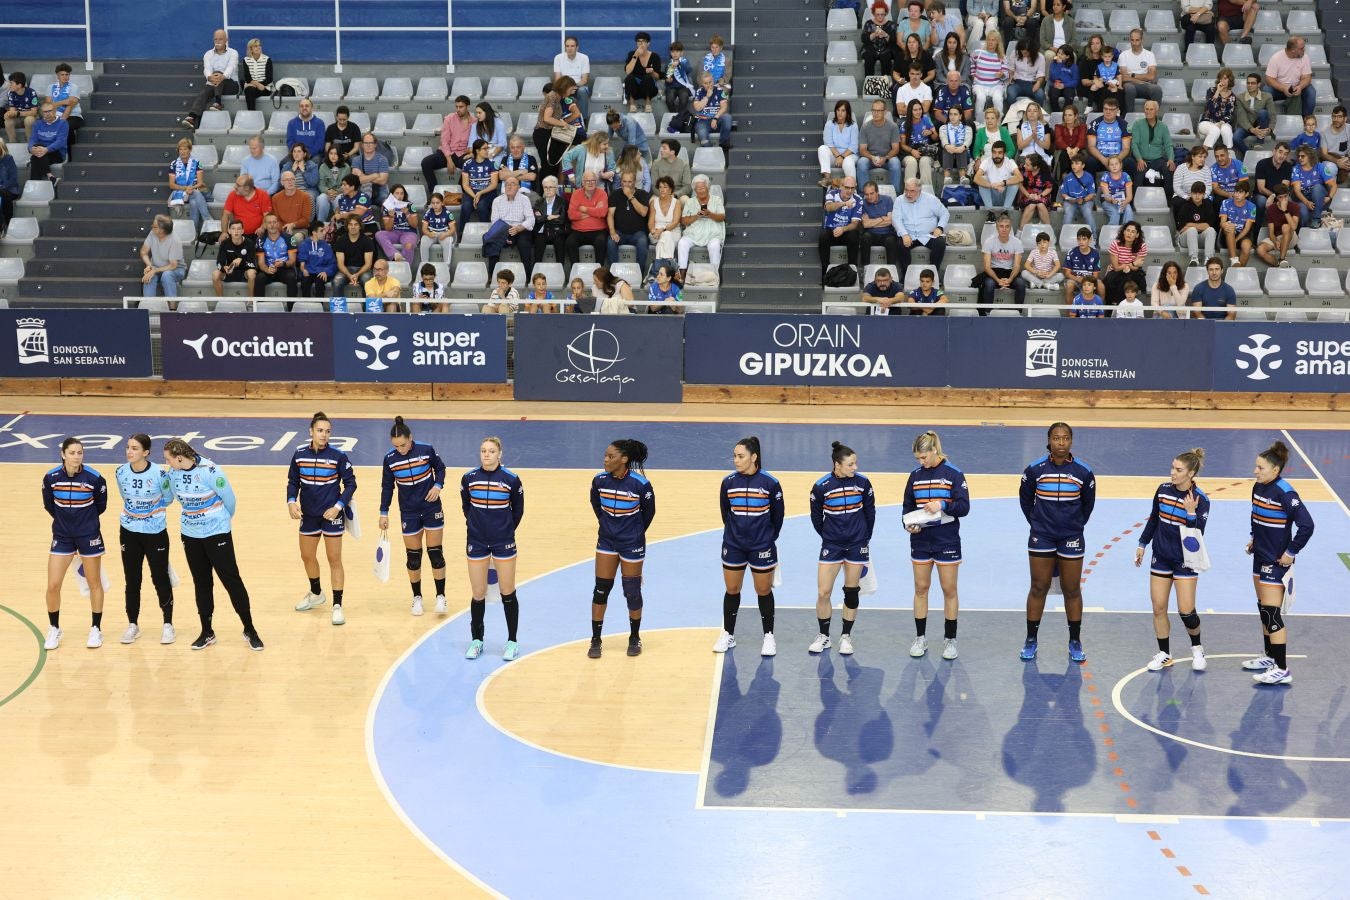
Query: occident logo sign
[590, 357]
[821, 351]
[254, 347]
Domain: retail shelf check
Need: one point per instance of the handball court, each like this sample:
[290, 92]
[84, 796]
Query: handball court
[373, 760]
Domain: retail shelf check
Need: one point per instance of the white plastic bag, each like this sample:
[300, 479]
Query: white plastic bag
[1194, 556]
[494, 590]
[83, 583]
[868, 583]
[353, 523]
[778, 575]
[1288, 602]
[382, 558]
[173, 576]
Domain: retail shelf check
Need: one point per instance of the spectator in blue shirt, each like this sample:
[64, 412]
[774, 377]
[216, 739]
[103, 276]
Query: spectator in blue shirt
[265, 171]
[66, 97]
[1237, 224]
[21, 105]
[1214, 292]
[307, 129]
[920, 220]
[877, 227]
[318, 265]
[1312, 187]
[1308, 137]
[1226, 173]
[1087, 304]
[1081, 261]
[47, 144]
[1107, 137]
[624, 131]
[843, 221]
[371, 166]
[10, 189]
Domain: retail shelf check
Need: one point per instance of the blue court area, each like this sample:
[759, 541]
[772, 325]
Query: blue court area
[673, 445]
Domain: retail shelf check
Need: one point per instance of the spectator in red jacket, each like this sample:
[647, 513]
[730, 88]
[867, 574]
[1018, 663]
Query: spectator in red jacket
[247, 204]
[588, 211]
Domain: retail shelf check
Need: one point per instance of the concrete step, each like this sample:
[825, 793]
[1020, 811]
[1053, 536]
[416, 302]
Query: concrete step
[69, 228]
[143, 102]
[740, 195]
[794, 65]
[807, 14]
[772, 85]
[103, 210]
[59, 247]
[82, 290]
[140, 172]
[164, 69]
[157, 153]
[780, 121]
[775, 298]
[777, 232]
[122, 192]
[115, 136]
[83, 267]
[776, 140]
[770, 157]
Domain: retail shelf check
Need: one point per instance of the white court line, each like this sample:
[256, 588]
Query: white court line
[1326, 484]
[715, 695]
[11, 423]
[1120, 708]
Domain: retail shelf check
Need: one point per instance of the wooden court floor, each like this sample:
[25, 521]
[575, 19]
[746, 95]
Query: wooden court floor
[151, 771]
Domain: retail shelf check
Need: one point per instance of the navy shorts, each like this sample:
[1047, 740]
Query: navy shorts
[1171, 568]
[431, 519]
[627, 553]
[87, 546]
[476, 550]
[313, 526]
[947, 556]
[1065, 548]
[762, 560]
[855, 554]
[1268, 572]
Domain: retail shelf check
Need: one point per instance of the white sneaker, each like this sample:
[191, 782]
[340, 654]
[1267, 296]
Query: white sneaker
[846, 645]
[417, 606]
[309, 601]
[1274, 675]
[769, 647]
[919, 647]
[133, 631]
[95, 639]
[440, 604]
[949, 648]
[1198, 658]
[53, 638]
[820, 644]
[724, 643]
[339, 617]
[1160, 661]
[1259, 664]
[167, 635]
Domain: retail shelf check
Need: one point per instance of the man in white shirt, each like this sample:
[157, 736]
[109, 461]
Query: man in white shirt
[511, 208]
[998, 178]
[1139, 72]
[577, 65]
[220, 69]
[914, 89]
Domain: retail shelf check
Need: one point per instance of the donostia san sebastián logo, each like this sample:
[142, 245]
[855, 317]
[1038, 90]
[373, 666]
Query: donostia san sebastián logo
[1042, 358]
[590, 357]
[32, 337]
[1042, 352]
[34, 346]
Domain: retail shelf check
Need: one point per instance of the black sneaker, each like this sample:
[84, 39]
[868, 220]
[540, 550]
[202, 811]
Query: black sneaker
[254, 642]
[990, 219]
[594, 651]
[634, 646]
[188, 122]
[204, 640]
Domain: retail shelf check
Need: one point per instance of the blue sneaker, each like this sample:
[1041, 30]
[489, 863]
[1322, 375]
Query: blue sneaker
[1029, 649]
[1076, 651]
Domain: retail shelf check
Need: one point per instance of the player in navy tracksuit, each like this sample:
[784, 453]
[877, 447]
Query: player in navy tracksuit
[624, 505]
[751, 502]
[494, 503]
[939, 488]
[1177, 503]
[75, 496]
[1057, 496]
[1281, 528]
[843, 511]
[144, 534]
[420, 475]
[319, 489]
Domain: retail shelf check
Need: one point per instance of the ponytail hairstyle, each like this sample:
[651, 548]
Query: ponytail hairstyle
[1277, 454]
[839, 453]
[634, 450]
[1193, 460]
[929, 442]
[143, 440]
[751, 445]
[1051, 430]
[400, 428]
[72, 441]
[180, 447]
[317, 418]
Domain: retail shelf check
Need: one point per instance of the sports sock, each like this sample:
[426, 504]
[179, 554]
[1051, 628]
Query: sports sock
[98, 620]
[596, 625]
[54, 619]
[416, 588]
[440, 586]
[824, 626]
[476, 610]
[949, 629]
[633, 626]
[1165, 645]
[1269, 651]
[314, 586]
[920, 626]
[1278, 654]
[731, 605]
[337, 596]
[846, 626]
[1075, 629]
[1033, 626]
[766, 612]
[1195, 639]
[511, 609]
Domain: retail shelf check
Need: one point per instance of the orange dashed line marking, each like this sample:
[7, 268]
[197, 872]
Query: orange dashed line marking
[1168, 853]
[1185, 872]
[1200, 889]
[1154, 836]
[1101, 714]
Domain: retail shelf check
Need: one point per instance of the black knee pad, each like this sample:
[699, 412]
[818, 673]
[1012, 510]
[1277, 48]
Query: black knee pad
[602, 588]
[436, 555]
[851, 597]
[414, 560]
[1272, 619]
[1191, 620]
[632, 591]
